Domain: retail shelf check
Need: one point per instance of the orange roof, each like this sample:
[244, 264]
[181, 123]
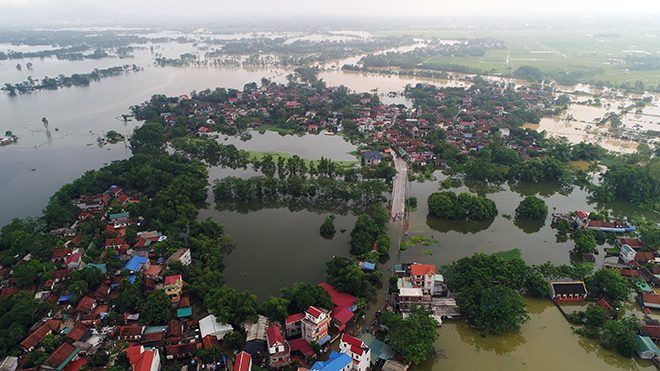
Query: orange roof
[422, 269]
[154, 270]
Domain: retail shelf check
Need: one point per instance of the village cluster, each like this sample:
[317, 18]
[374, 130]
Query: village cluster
[304, 109]
[86, 327]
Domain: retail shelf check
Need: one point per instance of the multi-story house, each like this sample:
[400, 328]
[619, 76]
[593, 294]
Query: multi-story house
[358, 350]
[315, 325]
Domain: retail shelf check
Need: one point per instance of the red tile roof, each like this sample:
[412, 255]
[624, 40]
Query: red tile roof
[60, 355]
[651, 331]
[75, 258]
[644, 256]
[581, 214]
[210, 341]
[144, 364]
[422, 269]
[274, 336]
[77, 332]
[181, 349]
[301, 345]
[85, 305]
[629, 273]
[295, 318]
[9, 291]
[242, 362]
[36, 337]
[78, 239]
[153, 336]
[169, 280]
[651, 298]
[351, 340]
[130, 331]
[603, 304]
[314, 312]
[60, 253]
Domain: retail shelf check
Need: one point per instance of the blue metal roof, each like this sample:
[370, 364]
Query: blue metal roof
[132, 278]
[336, 362]
[370, 266]
[65, 298]
[325, 339]
[134, 264]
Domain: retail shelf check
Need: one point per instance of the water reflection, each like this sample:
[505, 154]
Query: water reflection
[462, 226]
[529, 226]
[545, 189]
[591, 346]
[482, 189]
[500, 344]
[319, 206]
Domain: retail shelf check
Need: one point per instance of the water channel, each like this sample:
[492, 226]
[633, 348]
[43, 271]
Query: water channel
[278, 246]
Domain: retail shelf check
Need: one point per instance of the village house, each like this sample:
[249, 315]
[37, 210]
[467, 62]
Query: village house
[315, 325]
[372, 158]
[357, 350]
[336, 362]
[278, 349]
[142, 359]
[173, 287]
[209, 325]
[256, 337]
[243, 362]
[182, 255]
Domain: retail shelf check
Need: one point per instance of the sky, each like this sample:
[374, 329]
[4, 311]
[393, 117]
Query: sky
[357, 8]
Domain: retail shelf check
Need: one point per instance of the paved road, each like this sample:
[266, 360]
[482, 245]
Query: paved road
[400, 188]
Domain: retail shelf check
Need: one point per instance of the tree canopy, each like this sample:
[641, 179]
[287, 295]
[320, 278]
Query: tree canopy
[532, 207]
[413, 336]
[447, 205]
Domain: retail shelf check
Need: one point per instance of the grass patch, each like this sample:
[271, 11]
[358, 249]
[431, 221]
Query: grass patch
[508, 255]
[613, 250]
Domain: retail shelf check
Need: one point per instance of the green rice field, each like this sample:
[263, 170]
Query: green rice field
[597, 51]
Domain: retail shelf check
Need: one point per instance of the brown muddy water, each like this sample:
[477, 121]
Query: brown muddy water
[278, 244]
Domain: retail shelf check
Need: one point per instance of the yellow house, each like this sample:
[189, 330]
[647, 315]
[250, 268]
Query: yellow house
[173, 287]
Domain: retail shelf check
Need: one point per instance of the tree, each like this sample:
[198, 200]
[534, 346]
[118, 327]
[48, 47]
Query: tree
[585, 241]
[363, 235]
[496, 309]
[50, 342]
[610, 283]
[414, 336]
[157, 308]
[45, 122]
[620, 335]
[345, 276]
[537, 286]
[596, 316]
[328, 227]
[302, 296]
[447, 205]
[148, 138]
[532, 207]
[276, 309]
[235, 340]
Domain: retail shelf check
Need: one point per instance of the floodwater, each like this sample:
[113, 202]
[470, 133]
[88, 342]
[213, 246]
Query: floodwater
[278, 244]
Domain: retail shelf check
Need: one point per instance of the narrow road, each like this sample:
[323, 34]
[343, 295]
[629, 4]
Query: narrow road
[400, 189]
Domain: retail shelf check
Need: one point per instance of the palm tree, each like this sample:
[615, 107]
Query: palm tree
[45, 121]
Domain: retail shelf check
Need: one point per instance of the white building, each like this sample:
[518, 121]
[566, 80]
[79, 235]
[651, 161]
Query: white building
[358, 350]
